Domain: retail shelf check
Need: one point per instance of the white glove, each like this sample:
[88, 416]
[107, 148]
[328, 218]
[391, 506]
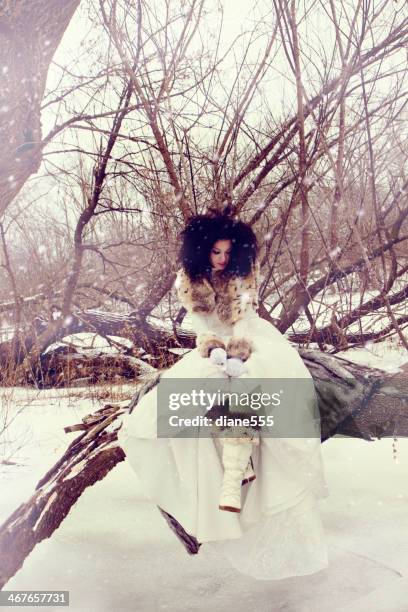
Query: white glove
[235, 367]
[218, 356]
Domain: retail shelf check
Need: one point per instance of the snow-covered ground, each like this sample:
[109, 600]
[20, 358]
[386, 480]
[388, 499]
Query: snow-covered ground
[115, 552]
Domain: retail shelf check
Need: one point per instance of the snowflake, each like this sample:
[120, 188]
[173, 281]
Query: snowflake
[334, 252]
[56, 314]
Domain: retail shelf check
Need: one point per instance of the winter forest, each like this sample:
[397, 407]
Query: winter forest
[119, 120]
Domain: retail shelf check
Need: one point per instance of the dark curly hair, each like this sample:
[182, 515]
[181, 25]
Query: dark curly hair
[199, 237]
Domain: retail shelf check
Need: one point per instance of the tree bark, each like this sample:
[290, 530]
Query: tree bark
[30, 33]
[154, 340]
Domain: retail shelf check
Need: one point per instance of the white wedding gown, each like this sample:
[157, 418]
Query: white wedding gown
[278, 532]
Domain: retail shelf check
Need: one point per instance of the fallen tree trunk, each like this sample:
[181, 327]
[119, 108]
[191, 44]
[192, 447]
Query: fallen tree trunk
[70, 368]
[153, 339]
[353, 401]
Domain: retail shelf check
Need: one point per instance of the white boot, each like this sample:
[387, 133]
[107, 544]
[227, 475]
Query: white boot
[235, 457]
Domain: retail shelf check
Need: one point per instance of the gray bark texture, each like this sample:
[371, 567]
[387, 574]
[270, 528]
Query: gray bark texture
[30, 32]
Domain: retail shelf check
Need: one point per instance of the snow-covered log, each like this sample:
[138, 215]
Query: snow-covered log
[67, 367]
[88, 459]
[353, 401]
[152, 338]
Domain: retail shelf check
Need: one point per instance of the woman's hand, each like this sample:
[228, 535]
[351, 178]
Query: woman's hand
[235, 367]
[207, 342]
[218, 356]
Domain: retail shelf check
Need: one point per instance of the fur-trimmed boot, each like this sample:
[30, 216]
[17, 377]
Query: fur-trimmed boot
[235, 456]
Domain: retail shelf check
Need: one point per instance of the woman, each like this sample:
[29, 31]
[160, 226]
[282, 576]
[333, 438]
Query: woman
[245, 492]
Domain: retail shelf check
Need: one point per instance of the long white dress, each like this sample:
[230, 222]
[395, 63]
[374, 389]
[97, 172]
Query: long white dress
[278, 532]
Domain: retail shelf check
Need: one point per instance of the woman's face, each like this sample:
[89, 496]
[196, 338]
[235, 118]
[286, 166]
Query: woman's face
[220, 254]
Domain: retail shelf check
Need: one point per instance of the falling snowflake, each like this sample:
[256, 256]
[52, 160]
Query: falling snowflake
[334, 252]
[56, 314]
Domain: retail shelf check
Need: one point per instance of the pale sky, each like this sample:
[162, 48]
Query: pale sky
[238, 15]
